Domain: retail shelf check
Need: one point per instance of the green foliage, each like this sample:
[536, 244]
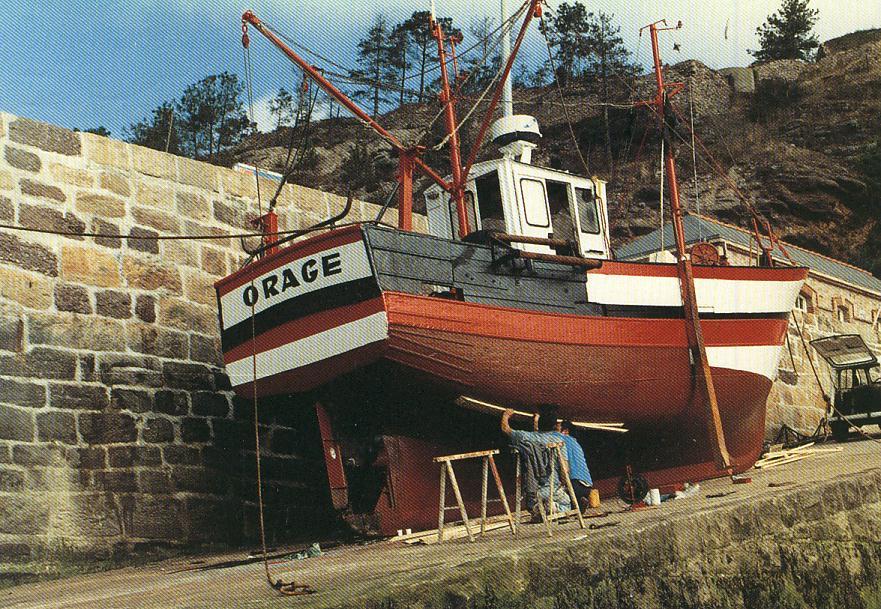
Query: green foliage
[374, 51]
[773, 96]
[282, 107]
[101, 130]
[211, 116]
[787, 34]
[421, 47]
[360, 169]
[156, 131]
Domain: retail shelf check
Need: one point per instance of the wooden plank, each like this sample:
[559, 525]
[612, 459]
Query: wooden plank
[479, 453]
[483, 489]
[501, 491]
[461, 503]
[781, 462]
[490, 408]
[441, 513]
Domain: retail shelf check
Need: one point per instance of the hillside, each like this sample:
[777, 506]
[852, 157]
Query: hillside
[801, 140]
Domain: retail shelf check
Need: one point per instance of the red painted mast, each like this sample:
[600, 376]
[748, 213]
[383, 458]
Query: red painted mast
[683, 262]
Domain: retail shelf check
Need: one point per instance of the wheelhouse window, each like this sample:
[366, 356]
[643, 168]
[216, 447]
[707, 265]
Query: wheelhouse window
[535, 203]
[588, 212]
[561, 216]
[489, 197]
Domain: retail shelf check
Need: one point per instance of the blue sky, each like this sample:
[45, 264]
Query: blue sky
[109, 63]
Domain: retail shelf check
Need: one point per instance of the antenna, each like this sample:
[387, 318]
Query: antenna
[433, 11]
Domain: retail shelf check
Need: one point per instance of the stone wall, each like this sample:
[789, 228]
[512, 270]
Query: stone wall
[795, 399]
[117, 425]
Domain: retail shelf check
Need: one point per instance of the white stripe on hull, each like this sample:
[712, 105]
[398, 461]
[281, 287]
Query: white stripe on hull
[353, 264]
[758, 359]
[311, 349]
[713, 295]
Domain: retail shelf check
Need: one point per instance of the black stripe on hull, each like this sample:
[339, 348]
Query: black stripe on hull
[655, 312]
[342, 294]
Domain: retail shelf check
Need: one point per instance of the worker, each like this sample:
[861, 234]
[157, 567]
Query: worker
[582, 483]
[537, 460]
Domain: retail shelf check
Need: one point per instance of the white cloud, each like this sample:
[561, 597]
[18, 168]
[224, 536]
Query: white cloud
[262, 116]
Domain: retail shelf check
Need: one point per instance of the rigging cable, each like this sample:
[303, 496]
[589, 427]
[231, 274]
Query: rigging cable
[543, 30]
[697, 194]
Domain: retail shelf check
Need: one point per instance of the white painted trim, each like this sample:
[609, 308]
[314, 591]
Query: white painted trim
[310, 349]
[758, 359]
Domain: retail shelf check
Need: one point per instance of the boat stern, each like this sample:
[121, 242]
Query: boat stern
[301, 316]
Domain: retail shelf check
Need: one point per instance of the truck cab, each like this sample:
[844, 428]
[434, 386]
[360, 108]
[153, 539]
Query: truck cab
[857, 400]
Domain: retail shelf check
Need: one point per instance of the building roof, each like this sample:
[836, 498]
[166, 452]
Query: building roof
[698, 228]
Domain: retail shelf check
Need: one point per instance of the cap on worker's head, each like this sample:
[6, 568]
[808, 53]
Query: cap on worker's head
[566, 426]
[547, 417]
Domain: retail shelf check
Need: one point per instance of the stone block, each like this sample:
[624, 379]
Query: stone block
[194, 429]
[234, 214]
[145, 308]
[92, 458]
[171, 402]
[44, 136]
[113, 304]
[15, 551]
[228, 435]
[237, 183]
[11, 480]
[151, 276]
[153, 340]
[78, 396]
[42, 191]
[139, 377]
[154, 163]
[100, 205]
[190, 480]
[107, 427]
[154, 482]
[134, 456]
[105, 151]
[11, 334]
[115, 182]
[7, 182]
[72, 298]
[40, 217]
[193, 377]
[209, 404]
[68, 330]
[109, 231]
[16, 424]
[21, 159]
[54, 426]
[28, 289]
[180, 253]
[40, 362]
[71, 175]
[196, 173]
[219, 236]
[29, 256]
[155, 218]
[116, 481]
[205, 349]
[182, 314]
[155, 195]
[23, 514]
[7, 211]
[221, 381]
[158, 518]
[133, 400]
[87, 367]
[199, 288]
[157, 431]
[176, 454]
[22, 393]
[43, 454]
[143, 240]
[193, 206]
[109, 361]
[214, 261]
[89, 266]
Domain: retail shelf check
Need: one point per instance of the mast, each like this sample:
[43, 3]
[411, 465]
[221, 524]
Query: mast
[507, 95]
[697, 347]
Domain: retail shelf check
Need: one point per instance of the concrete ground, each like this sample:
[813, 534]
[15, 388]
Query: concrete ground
[352, 575]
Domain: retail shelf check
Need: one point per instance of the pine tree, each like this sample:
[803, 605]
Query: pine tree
[787, 34]
[486, 60]
[374, 51]
[399, 57]
[567, 32]
[423, 47]
[282, 107]
[211, 116]
[156, 131]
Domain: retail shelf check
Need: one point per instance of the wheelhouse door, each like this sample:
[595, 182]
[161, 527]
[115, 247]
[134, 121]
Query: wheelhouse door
[588, 214]
[532, 210]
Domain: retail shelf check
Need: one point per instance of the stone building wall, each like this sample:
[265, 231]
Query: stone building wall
[795, 399]
[117, 426]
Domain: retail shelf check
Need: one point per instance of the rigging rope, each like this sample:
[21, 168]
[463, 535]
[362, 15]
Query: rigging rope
[544, 33]
[697, 194]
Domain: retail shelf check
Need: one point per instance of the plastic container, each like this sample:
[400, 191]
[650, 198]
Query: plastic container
[593, 499]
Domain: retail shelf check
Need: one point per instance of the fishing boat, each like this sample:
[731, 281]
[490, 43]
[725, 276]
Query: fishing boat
[514, 298]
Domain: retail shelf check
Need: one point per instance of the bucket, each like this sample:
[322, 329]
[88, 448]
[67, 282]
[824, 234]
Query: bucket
[654, 497]
[593, 499]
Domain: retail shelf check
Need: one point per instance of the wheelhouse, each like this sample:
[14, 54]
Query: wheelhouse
[510, 196]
